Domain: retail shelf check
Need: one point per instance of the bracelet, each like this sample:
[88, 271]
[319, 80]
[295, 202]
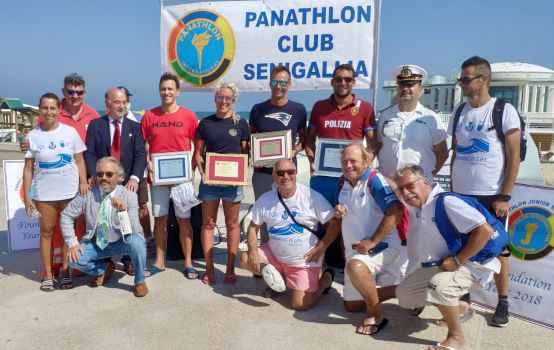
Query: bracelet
[456, 260]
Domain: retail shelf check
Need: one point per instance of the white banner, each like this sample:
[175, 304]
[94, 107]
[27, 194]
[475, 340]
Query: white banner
[241, 41]
[531, 224]
[23, 232]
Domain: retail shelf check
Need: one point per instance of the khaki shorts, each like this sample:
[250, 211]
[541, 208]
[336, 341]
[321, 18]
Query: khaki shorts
[434, 286]
[376, 264]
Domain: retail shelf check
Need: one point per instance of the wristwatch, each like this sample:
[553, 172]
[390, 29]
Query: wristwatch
[504, 197]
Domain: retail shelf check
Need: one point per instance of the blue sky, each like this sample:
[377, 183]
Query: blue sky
[116, 42]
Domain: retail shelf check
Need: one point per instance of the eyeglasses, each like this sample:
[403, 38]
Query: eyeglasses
[220, 98]
[73, 92]
[467, 80]
[290, 172]
[282, 83]
[108, 174]
[408, 187]
[346, 79]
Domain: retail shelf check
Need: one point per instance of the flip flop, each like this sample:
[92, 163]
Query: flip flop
[449, 347]
[66, 283]
[332, 273]
[47, 285]
[153, 270]
[463, 317]
[189, 271]
[379, 326]
[208, 279]
[230, 279]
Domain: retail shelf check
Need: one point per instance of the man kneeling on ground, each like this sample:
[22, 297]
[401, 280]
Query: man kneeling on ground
[292, 212]
[104, 237]
[443, 276]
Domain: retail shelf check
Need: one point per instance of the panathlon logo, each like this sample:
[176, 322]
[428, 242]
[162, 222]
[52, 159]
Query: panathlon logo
[201, 47]
[531, 233]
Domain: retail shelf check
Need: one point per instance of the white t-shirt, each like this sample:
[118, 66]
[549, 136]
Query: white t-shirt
[288, 241]
[425, 242]
[55, 170]
[479, 165]
[365, 211]
[408, 137]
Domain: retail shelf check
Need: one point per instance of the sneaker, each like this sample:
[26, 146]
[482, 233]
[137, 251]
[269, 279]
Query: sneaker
[500, 317]
[273, 278]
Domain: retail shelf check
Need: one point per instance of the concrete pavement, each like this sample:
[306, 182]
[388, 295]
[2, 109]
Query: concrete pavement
[182, 314]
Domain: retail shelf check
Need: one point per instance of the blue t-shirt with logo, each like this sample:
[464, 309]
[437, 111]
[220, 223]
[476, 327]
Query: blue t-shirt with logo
[267, 117]
[223, 135]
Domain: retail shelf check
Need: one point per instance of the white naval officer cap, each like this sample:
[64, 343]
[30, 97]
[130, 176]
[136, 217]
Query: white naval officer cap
[408, 73]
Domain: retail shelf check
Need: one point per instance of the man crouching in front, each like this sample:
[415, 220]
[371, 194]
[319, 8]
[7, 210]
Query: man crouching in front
[105, 235]
[444, 274]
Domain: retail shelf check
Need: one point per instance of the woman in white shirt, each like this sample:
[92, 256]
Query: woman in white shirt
[55, 159]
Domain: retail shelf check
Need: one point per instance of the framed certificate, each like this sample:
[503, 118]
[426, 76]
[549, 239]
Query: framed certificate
[269, 147]
[171, 168]
[226, 169]
[327, 156]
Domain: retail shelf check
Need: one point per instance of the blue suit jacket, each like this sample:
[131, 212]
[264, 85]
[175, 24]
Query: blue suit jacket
[133, 153]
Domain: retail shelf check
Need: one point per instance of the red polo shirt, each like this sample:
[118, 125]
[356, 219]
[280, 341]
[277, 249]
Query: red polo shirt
[81, 123]
[349, 123]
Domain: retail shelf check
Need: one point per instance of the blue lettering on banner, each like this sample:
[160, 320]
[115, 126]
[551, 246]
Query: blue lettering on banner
[303, 16]
[299, 70]
[309, 43]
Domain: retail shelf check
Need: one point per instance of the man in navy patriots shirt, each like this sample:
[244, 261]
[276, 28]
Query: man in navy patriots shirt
[276, 114]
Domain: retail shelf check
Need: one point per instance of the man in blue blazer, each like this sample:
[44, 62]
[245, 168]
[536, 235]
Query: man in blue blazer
[119, 137]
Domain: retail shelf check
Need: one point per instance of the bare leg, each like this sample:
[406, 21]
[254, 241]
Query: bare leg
[455, 337]
[231, 211]
[364, 282]
[209, 218]
[144, 218]
[160, 240]
[47, 223]
[185, 236]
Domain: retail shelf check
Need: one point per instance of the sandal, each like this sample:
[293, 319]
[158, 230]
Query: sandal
[191, 273]
[332, 273]
[47, 285]
[66, 283]
[208, 279]
[230, 279]
[378, 327]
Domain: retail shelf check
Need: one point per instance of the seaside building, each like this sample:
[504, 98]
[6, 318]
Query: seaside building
[529, 87]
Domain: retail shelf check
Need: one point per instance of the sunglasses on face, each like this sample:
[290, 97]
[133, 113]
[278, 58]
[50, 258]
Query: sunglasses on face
[467, 80]
[101, 174]
[346, 79]
[408, 187]
[73, 92]
[281, 83]
[289, 172]
[220, 98]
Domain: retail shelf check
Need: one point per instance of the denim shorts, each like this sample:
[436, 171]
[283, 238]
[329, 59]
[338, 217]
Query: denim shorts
[227, 193]
[160, 202]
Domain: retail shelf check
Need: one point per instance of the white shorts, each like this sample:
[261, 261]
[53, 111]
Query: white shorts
[160, 202]
[435, 286]
[377, 264]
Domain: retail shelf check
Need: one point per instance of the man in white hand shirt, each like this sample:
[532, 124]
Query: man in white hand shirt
[454, 275]
[408, 132]
[293, 248]
[370, 211]
[481, 165]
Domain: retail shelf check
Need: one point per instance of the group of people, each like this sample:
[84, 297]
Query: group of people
[394, 242]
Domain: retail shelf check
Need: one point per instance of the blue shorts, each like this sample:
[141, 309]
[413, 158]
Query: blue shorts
[227, 193]
[160, 202]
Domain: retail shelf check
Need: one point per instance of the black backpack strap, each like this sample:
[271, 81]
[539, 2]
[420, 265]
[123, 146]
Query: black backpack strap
[456, 119]
[292, 217]
[497, 112]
